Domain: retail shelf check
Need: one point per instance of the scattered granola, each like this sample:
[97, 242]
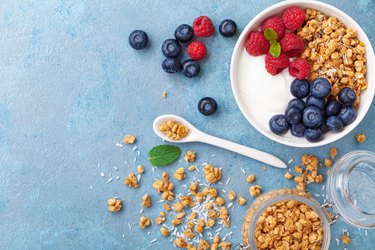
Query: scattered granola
[223, 214]
[129, 139]
[211, 173]
[180, 242]
[192, 168]
[146, 201]
[346, 239]
[328, 163]
[360, 138]
[190, 156]
[242, 200]
[264, 168]
[114, 205]
[232, 195]
[164, 186]
[131, 181]
[288, 175]
[140, 169]
[144, 222]
[333, 152]
[164, 94]
[164, 231]
[174, 130]
[255, 190]
[250, 178]
[179, 174]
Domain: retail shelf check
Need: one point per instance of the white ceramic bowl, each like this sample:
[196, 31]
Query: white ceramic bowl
[260, 95]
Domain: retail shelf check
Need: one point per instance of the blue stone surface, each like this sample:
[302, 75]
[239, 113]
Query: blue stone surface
[71, 88]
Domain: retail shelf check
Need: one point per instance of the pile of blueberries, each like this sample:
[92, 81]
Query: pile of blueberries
[171, 49]
[315, 116]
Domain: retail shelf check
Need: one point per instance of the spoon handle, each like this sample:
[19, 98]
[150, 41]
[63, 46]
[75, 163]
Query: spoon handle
[243, 150]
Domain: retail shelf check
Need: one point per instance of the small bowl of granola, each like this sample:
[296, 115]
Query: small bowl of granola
[299, 73]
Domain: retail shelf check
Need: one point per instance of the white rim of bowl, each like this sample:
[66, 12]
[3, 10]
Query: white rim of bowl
[236, 51]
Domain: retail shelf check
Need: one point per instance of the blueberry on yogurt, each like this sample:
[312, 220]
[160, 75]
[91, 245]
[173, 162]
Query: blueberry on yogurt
[278, 124]
[300, 88]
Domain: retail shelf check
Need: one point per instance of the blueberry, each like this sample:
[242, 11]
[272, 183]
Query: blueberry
[207, 106]
[227, 28]
[298, 129]
[300, 88]
[184, 33]
[320, 87]
[312, 117]
[347, 115]
[297, 103]
[171, 48]
[313, 101]
[293, 115]
[190, 68]
[324, 128]
[333, 108]
[313, 134]
[138, 39]
[334, 124]
[347, 96]
[171, 65]
[278, 124]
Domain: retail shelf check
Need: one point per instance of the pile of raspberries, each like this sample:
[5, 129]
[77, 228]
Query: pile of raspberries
[291, 44]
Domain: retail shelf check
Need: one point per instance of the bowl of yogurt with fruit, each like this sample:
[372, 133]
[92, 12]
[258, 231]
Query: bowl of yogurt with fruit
[302, 73]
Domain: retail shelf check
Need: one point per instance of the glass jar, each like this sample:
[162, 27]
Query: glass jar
[350, 193]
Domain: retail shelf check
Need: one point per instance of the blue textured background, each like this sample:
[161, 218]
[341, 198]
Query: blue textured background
[71, 87]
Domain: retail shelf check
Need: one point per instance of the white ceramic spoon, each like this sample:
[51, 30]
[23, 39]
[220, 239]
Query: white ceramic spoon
[196, 135]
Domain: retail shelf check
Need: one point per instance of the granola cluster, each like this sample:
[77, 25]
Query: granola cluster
[211, 173]
[174, 130]
[164, 186]
[334, 52]
[131, 181]
[114, 205]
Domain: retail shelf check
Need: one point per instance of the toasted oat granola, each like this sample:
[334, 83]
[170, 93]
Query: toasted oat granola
[334, 52]
[114, 205]
[174, 130]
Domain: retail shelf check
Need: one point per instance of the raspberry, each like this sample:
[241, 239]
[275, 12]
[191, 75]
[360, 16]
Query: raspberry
[197, 50]
[203, 26]
[256, 44]
[293, 18]
[275, 23]
[299, 68]
[292, 45]
[275, 65]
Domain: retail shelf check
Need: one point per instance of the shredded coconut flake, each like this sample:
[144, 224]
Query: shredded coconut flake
[130, 226]
[153, 241]
[109, 180]
[119, 145]
[90, 187]
[102, 174]
[140, 212]
[134, 148]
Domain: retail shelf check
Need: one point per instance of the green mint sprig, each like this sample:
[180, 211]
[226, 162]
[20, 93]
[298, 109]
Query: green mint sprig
[271, 36]
[162, 155]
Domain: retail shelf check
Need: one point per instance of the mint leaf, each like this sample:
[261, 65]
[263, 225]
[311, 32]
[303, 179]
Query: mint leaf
[275, 49]
[270, 35]
[164, 154]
